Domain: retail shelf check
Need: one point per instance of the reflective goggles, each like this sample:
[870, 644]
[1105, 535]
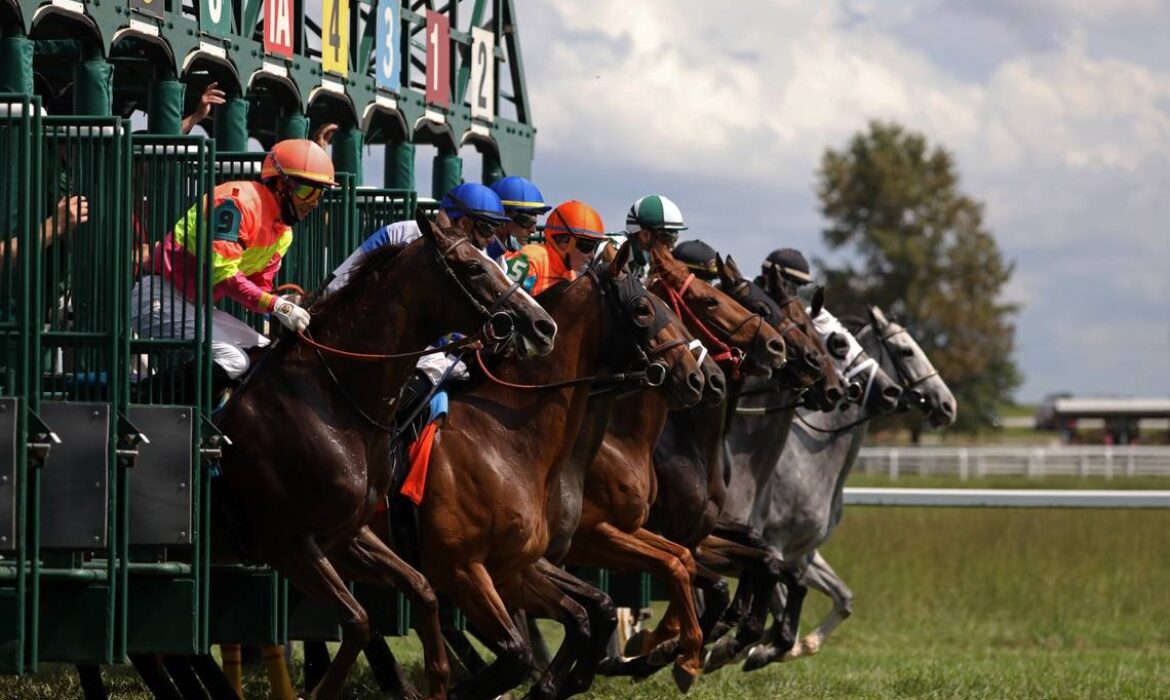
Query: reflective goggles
[583, 244]
[486, 227]
[309, 194]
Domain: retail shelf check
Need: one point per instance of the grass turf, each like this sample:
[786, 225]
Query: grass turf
[954, 603]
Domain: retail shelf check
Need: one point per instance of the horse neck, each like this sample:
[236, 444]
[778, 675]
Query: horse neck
[383, 320]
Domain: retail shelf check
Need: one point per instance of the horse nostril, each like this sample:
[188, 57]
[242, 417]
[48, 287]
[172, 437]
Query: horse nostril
[695, 380]
[776, 347]
[892, 393]
[545, 329]
[715, 384]
[834, 394]
[914, 395]
[812, 361]
[855, 391]
[947, 408]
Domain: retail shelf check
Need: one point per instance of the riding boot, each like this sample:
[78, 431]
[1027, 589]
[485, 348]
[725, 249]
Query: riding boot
[417, 388]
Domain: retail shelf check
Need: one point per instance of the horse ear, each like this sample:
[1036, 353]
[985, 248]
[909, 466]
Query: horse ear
[424, 224]
[443, 220]
[618, 265]
[878, 317]
[818, 302]
[732, 269]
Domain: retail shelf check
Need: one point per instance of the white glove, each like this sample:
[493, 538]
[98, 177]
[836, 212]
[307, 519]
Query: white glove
[292, 316]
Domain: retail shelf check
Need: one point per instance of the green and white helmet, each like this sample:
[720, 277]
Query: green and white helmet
[654, 212]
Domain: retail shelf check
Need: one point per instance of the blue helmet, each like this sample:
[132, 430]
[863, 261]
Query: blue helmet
[473, 199]
[520, 195]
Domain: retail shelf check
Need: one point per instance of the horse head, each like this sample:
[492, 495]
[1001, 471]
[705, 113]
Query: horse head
[807, 357]
[509, 316]
[867, 383]
[731, 333]
[902, 357]
[659, 340]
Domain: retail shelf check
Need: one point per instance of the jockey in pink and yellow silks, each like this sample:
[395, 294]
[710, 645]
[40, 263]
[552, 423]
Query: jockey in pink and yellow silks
[250, 225]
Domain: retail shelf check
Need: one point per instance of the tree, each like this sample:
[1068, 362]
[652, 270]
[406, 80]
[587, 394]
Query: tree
[919, 250]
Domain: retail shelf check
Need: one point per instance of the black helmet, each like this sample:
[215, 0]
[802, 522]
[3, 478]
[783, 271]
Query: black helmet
[791, 265]
[699, 259]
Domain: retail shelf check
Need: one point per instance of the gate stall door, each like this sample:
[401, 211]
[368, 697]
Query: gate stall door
[20, 220]
[82, 385]
[170, 395]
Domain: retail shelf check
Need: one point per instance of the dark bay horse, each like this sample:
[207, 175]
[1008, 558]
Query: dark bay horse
[800, 512]
[612, 500]
[483, 521]
[311, 452]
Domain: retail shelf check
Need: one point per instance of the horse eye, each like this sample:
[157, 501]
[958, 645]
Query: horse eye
[476, 268]
[908, 352]
[711, 303]
[763, 310]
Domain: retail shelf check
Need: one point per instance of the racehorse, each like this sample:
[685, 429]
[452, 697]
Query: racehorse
[690, 474]
[483, 521]
[311, 434]
[877, 393]
[804, 505]
[603, 510]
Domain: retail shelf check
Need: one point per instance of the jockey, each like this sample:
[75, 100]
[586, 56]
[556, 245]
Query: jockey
[791, 266]
[472, 208]
[250, 225]
[652, 217]
[523, 203]
[699, 259]
[571, 236]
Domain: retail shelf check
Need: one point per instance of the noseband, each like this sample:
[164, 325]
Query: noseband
[723, 352]
[905, 378]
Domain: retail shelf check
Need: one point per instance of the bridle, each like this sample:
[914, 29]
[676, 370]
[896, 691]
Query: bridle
[906, 378]
[498, 330]
[655, 371]
[721, 347]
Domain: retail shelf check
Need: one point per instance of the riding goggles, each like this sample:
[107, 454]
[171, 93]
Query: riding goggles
[584, 244]
[308, 194]
[524, 220]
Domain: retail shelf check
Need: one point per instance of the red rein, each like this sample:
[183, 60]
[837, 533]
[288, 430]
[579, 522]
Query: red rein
[720, 351]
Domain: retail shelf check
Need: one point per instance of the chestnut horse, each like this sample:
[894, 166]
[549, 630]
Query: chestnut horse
[311, 441]
[619, 484]
[483, 521]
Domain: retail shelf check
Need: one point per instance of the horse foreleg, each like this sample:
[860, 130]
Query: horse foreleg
[369, 560]
[602, 622]
[782, 636]
[644, 551]
[821, 577]
[471, 587]
[307, 568]
[541, 598]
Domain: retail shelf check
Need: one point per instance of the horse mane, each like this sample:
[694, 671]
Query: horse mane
[553, 293]
[361, 277]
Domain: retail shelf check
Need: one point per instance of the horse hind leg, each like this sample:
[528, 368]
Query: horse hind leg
[368, 559]
[821, 577]
[782, 636]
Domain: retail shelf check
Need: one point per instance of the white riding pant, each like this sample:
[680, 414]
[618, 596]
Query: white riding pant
[159, 310]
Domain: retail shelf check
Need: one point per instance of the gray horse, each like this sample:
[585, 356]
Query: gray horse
[802, 503]
[758, 434]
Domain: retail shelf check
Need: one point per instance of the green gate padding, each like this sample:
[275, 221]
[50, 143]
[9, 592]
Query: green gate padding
[20, 215]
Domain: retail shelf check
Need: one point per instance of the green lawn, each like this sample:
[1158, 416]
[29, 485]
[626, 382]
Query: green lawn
[948, 604]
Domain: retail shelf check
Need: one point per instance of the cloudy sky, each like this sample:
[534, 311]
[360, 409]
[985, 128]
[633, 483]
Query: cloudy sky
[1058, 112]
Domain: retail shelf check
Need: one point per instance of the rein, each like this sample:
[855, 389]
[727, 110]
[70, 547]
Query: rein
[471, 340]
[721, 351]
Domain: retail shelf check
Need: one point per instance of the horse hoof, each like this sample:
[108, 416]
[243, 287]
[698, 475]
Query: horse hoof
[638, 644]
[757, 658]
[718, 656]
[683, 678]
[664, 653]
[810, 645]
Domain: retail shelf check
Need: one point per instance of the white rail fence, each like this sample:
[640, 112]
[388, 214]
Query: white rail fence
[1005, 498]
[977, 462]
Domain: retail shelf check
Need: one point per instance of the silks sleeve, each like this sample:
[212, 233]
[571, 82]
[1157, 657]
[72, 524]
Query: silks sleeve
[226, 253]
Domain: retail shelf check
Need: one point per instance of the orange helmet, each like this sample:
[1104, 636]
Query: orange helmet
[576, 218]
[300, 159]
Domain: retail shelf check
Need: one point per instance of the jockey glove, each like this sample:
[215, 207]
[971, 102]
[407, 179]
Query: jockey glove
[291, 315]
